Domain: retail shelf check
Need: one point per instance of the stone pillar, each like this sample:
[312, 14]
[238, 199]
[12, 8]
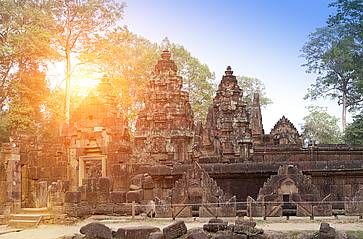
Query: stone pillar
[13, 179]
[73, 169]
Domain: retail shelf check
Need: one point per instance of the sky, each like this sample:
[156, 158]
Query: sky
[257, 38]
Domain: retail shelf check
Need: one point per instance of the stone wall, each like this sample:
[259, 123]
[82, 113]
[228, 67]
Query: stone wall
[96, 197]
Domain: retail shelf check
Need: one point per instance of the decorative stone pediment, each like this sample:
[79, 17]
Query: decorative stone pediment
[284, 132]
[289, 180]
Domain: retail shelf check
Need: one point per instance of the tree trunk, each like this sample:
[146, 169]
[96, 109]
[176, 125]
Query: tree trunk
[344, 111]
[68, 89]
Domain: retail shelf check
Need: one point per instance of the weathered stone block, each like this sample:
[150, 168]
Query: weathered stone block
[92, 197]
[72, 197]
[198, 235]
[215, 220]
[215, 227]
[249, 223]
[140, 232]
[134, 196]
[124, 209]
[104, 184]
[175, 230]
[118, 197]
[103, 197]
[326, 231]
[96, 230]
[156, 235]
[104, 208]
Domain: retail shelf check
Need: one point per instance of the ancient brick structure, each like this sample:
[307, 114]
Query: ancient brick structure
[289, 193]
[99, 144]
[96, 169]
[164, 128]
[227, 133]
[200, 194]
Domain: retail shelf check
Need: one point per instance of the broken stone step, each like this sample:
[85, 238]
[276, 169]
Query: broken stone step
[39, 210]
[28, 216]
[22, 223]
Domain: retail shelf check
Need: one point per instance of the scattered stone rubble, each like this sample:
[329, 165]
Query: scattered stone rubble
[215, 229]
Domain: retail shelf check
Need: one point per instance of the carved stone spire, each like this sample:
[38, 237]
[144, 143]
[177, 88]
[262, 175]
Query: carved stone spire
[256, 120]
[164, 128]
[228, 122]
[165, 64]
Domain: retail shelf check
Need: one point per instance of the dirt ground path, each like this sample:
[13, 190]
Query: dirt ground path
[272, 224]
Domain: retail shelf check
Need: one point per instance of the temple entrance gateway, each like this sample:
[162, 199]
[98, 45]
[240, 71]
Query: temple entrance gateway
[92, 167]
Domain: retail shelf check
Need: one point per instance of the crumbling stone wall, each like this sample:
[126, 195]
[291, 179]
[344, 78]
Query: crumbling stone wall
[96, 197]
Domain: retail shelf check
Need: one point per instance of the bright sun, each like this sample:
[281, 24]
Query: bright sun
[82, 80]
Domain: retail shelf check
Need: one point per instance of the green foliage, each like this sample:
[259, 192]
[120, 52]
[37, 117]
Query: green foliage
[249, 86]
[26, 32]
[128, 61]
[353, 134]
[334, 52]
[320, 127]
[25, 36]
[79, 21]
[197, 78]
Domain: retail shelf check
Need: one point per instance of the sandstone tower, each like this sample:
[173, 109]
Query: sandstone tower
[227, 134]
[165, 126]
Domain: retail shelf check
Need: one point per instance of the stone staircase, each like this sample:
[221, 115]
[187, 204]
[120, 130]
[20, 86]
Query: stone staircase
[28, 217]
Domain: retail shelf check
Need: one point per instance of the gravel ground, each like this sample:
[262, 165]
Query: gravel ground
[272, 224]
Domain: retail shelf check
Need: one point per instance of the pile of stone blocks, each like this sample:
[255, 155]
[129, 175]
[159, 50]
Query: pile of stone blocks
[242, 229]
[100, 231]
[96, 197]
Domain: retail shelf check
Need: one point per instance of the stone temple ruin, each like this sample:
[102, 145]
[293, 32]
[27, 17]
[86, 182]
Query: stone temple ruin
[225, 166]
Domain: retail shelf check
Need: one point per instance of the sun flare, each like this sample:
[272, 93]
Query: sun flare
[83, 80]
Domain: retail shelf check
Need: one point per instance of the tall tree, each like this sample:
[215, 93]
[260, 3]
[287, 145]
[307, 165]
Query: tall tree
[320, 127]
[26, 31]
[25, 35]
[249, 86]
[80, 21]
[334, 53]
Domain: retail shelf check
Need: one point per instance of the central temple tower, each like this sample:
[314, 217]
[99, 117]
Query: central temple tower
[227, 135]
[164, 128]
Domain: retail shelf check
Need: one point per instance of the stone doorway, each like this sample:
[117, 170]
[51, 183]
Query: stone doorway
[196, 202]
[289, 208]
[92, 167]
